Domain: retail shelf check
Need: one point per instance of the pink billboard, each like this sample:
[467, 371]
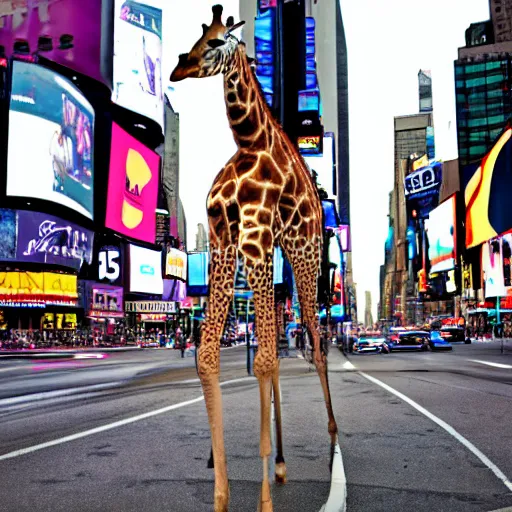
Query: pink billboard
[132, 187]
[30, 19]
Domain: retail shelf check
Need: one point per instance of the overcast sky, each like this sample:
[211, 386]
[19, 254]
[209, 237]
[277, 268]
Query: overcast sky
[388, 42]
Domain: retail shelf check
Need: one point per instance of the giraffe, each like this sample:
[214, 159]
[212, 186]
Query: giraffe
[263, 197]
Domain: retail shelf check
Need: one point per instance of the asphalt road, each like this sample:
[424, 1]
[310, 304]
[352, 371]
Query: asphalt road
[397, 457]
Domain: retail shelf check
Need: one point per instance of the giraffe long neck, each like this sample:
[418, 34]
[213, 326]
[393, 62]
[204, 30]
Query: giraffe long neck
[249, 116]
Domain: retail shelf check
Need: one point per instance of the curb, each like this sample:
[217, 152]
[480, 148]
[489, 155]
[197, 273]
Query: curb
[507, 509]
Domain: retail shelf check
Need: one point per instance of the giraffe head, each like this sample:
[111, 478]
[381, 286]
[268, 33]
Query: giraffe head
[213, 52]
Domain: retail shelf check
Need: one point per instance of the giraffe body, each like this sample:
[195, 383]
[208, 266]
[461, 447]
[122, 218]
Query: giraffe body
[262, 198]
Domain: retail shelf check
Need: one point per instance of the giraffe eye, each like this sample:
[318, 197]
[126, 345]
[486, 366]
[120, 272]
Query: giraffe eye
[215, 43]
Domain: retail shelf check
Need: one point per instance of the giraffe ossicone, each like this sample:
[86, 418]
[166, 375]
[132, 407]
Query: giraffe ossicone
[263, 197]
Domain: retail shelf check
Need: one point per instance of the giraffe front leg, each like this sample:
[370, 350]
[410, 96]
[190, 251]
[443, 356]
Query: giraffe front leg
[222, 270]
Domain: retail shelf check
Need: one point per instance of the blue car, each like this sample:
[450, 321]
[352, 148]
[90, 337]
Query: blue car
[410, 340]
[438, 342]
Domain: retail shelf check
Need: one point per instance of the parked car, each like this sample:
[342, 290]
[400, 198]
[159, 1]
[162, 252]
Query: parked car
[371, 345]
[454, 333]
[409, 340]
[439, 342]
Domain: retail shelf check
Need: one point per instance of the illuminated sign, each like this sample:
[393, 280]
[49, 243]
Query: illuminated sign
[109, 264]
[310, 144]
[176, 264]
[38, 287]
[149, 307]
[422, 179]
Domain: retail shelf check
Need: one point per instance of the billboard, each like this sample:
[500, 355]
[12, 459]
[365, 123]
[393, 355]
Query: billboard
[37, 287]
[51, 129]
[106, 302]
[492, 267]
[197, 277]
[138, 58]
[174, 290]
[80, 21]
[422, 189]
[441, 233]
[44, 238]
[487, 193]
[132, 187]
[110, 264]
[145, 271]
[176, 264]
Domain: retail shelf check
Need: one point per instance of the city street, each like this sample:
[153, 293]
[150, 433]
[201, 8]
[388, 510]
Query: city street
[395, 457]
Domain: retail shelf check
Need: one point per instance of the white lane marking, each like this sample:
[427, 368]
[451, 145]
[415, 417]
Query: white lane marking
[470, 446]
[110, 426]
[488, 363]
[348, 366]
[337, 501]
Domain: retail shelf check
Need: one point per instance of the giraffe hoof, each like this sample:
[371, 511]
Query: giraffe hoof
[281, 473]
[221, 501]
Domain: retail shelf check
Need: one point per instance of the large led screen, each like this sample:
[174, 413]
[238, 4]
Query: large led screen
[492, 267]
[440, 228]
[138, 58]
[197, 274]
[82, 20]
[8, 224]
[145, 271]
[44, 238]
[487, 193]
[132, 187]
[50, 152]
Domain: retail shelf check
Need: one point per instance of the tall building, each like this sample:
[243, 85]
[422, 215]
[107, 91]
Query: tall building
[368, 317]
[201, 239]
[483, 83]
[501, 16]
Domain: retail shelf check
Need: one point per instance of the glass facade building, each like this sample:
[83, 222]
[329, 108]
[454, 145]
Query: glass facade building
[483, 99]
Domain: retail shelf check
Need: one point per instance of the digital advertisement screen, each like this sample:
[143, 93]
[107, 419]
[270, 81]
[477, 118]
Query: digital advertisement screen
[110, 264]
[132, 187]
[174, 290]
[107, 301]
[44, 238]
[176, 264]
[197, 278]
[487, 193]
[50, 152]
[440, 228]
[492, 268]
[46, 287]
[138, 58]
[145, 271]
[83, 20]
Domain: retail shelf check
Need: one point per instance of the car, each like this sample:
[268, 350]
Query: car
[370, 345]
[439, 342]
[409, 340]
[454, 334]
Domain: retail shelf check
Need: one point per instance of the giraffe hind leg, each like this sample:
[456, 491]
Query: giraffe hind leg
[280, 464]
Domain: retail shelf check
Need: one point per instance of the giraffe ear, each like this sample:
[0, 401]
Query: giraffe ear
[215, 43]
[205, 28]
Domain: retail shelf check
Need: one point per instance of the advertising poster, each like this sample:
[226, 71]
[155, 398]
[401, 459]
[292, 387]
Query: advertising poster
[7, 234]
[50, 152]
[422, 189]
[440, 228]
[30, 19]
[174, 290]
[145, 271]
[138, 58]
[487, 193]
[132, 187]
[107, 301]
[43, 238]
[197, 276]
[492, 268]
[47, 287]
[176, 264]
[110, 264]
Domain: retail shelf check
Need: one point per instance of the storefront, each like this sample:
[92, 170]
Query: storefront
[149, 316]
[105, 313]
